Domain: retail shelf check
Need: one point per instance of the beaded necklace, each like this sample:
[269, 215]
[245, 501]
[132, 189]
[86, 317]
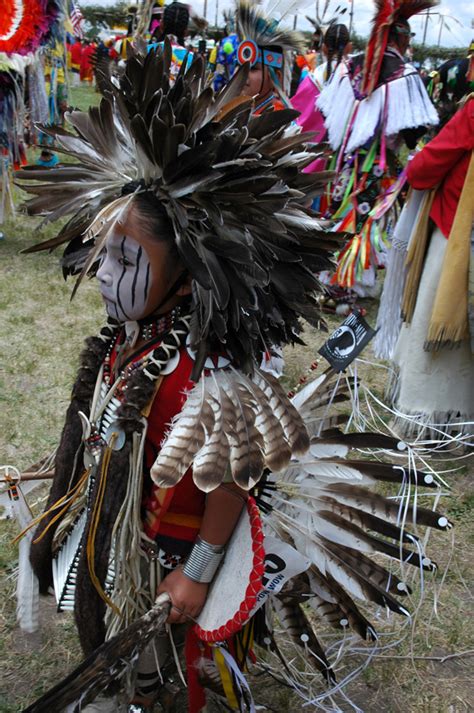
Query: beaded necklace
[153, 328]
[157, 325]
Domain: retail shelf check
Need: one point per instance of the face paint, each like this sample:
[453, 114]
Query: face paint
[136, 275]
[125, 277]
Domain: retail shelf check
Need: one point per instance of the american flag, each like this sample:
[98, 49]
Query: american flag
[77, 20]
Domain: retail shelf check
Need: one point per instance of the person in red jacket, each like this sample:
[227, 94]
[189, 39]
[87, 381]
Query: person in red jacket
[444, 162]
[76, 56]
[87, 73]
[433, 354]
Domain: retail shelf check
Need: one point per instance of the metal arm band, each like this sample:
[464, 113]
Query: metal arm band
[203, 561]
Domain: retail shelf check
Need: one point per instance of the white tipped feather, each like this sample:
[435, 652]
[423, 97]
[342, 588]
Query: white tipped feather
[284, 8]
[186, 438]
[307, 392]
[324, 506]
[229, 412]
[27, 590]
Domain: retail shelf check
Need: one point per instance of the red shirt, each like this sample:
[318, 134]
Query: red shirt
[181, 517]
[174, 512]
[445, 160]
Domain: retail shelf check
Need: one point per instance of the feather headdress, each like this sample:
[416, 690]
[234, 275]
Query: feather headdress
[321, 23]
[229, 183]
[387, 14]
[260, 24]
[265, 41]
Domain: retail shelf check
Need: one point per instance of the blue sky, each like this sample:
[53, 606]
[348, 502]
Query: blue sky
[456, 30]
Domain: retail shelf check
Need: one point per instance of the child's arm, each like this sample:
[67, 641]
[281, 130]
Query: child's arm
[223, 508]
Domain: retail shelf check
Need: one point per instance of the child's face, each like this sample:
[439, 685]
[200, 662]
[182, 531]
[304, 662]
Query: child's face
[259, 83]
[135, 273]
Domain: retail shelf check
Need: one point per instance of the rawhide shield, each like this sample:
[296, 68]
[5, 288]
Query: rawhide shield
[233, 594]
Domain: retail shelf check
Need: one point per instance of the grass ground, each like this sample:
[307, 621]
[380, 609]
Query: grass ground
[41, 334]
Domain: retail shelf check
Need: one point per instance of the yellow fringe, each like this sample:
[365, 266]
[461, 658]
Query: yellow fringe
[90, 547]
[416, 257]
[244, 644]
[226, 678]
[449, 320]
[442, 336]
[72, 494]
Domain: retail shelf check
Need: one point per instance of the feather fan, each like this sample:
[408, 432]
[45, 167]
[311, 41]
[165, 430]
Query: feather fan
[229, 418]
[107, 663]
[324, 504]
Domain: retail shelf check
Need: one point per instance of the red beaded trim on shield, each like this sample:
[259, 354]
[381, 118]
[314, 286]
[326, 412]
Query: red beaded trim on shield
[254, 588]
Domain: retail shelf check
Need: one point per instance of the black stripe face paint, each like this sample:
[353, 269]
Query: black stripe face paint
[125, 277]
[146, 288]
[124, 270]
[135, 277]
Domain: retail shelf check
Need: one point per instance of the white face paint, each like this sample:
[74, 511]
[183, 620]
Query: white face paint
[125, 277]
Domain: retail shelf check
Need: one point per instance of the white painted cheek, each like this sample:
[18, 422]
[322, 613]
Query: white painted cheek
[132, 288]
[109, 274]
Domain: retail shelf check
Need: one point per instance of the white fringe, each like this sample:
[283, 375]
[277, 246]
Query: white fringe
[409, 106]
[336, 102]
[389, 320]
[369, 115]
[451, 430]
[27, 588]
[39, 109]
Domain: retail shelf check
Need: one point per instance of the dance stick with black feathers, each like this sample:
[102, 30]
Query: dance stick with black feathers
[105, 664]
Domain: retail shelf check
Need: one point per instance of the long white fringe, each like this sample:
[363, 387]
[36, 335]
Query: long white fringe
[409, 106]
[389, 319]
[335, 102]
[27, 588]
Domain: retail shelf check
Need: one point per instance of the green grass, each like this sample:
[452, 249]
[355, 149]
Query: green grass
[41, 335]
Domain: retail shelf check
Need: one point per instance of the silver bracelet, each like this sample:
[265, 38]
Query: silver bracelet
[203, 561]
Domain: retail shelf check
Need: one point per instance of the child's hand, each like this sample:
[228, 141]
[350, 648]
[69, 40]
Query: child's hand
[187, 597]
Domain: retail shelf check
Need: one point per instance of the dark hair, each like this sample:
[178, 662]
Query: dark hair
[400, 28]
[154, 219]
[175, 20]
[335, 40]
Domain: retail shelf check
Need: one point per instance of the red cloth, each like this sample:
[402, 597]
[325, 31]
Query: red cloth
[194, 650]
[445, 160]
[86, 71]
[185, 501]
[76, 54]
